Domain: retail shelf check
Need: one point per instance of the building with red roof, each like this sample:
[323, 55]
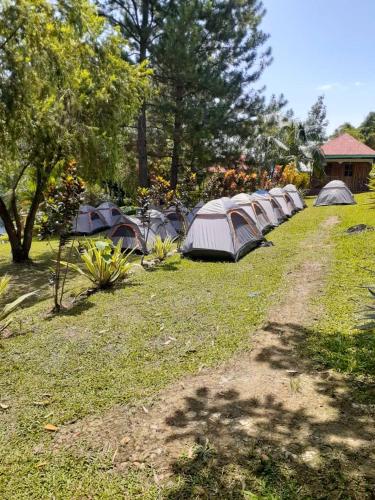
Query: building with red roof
[349, 160]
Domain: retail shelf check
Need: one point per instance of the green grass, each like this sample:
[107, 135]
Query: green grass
[113, 349]
[335, 339]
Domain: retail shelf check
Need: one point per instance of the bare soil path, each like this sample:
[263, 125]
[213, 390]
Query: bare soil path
[270, 405]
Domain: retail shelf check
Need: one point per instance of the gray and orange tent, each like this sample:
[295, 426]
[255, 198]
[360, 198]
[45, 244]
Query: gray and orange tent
[254, 210]
[111, 213]
[271, 206]
[335, 193]
[296, 196]
[88, 221]
[221, 230]
[285, 201]
[132, 234]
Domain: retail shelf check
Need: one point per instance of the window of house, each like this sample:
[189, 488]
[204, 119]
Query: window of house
[348, 170]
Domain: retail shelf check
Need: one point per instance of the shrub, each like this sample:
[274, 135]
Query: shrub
[105, 264]
[291, 175]
[371, 180]
[8, 309]
[161, 248]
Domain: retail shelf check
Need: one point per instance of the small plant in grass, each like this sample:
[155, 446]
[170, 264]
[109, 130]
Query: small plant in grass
[104, 263]
[62, 202]
[8, 309]
[369, 315]
[161, 248]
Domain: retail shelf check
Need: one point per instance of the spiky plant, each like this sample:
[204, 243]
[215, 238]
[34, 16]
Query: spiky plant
[8, 309]
[104, 263]
[162, 248]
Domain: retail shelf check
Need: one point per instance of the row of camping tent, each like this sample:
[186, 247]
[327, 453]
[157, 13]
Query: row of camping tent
[228, 228]
[223, 228]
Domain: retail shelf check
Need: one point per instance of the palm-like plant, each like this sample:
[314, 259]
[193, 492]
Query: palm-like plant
[7, 310]
[301, 149]
[104, 263]
[162, 248]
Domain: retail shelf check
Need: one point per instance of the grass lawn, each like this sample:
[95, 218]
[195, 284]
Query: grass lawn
[123, 346]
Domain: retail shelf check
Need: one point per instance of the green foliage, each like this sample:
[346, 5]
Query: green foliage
[371, 183]
[65, 91]
[8, 309]
[161, 248]
[62, 201]
[105, 264]
[369, 316]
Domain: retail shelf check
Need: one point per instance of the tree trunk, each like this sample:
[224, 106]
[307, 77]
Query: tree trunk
[142, 148]
[177, 139]
[15, 241]
[30, 220]
[142, 119]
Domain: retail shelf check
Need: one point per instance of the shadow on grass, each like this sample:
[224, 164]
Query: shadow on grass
[250, 447]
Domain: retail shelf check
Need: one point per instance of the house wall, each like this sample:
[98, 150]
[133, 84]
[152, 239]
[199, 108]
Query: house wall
[335, 171]
[356, 183]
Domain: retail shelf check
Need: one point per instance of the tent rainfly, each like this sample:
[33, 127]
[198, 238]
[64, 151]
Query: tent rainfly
[296, 196]
[335, 193]
[285, 201]
[88, 221]
[254, 210]
[221, 230]
[271, 206]
[111, 213]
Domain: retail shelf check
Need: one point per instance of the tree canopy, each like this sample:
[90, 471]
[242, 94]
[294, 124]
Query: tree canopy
[65, 92]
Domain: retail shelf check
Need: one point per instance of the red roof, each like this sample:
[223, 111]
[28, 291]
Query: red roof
[346, 145]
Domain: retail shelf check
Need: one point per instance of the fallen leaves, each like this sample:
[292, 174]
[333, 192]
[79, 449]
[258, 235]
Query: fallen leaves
[51, 428]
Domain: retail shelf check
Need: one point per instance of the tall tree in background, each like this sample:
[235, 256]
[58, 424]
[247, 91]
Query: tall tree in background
[367, 129]
[206, 61]
[65, 92]
[139, 22]
[317, 123]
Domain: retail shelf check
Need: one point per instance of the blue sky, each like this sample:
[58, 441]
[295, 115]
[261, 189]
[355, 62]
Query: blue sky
[323, 47]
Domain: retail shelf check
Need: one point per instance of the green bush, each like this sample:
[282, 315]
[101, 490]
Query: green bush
[7, 310]
[162, 248]
[104, 263]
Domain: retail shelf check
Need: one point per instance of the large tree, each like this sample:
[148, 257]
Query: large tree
[317, 123]
[65, 92]
[139, 22]
[206, 61]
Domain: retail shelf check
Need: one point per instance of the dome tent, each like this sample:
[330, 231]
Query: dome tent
[254, 210]
[177, 217]
[111, 213]
[194, 211]
[285, 201]
[271, 206]
[131, 234]
[335, 193]
[221, 230]
[135, 232]
[161, 225]
[296, 196]
[88, 221]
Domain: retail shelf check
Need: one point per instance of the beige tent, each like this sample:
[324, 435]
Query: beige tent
[221, 230]
[254, 210]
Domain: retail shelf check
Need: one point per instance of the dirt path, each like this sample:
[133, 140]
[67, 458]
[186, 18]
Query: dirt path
[270, 401]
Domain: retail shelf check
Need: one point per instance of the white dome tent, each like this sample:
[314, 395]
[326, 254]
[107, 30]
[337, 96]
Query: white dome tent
[221, 230]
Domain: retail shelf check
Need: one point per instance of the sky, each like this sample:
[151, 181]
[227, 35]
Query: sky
[322, 47]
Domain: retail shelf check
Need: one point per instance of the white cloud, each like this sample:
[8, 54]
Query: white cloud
[359, 84]
[328, 86]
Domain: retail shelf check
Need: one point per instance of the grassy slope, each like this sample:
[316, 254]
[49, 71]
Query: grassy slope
[113, 348]
[335, 339]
